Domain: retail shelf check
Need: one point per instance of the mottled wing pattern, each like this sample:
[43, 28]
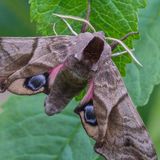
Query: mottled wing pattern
[14, 54]
[121, 132]
[21, 58]
[24, 57]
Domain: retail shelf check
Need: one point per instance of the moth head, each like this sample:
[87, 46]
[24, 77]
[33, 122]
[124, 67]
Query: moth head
[88, 118]
[30, 85]
[84, 60]
[93, 50]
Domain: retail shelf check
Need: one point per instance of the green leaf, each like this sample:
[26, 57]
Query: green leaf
[26, 133]
[150, 114]
[116, 18]
[153, 118]
[140, 81]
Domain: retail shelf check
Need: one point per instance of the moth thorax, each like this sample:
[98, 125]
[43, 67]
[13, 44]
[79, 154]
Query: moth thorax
[65, 87]
[80, 69]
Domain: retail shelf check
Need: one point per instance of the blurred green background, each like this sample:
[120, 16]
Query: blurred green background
[15, 21]
[15, 18]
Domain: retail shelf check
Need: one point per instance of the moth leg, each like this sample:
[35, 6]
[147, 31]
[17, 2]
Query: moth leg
[85, 25]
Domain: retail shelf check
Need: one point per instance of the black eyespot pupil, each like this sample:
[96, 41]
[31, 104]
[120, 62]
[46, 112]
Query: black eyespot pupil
[89, 115]
[36, 82]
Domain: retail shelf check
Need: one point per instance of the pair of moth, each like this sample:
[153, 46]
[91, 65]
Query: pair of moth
[61, 67]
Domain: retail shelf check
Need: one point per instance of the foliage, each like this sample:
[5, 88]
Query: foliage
[37, 136]
[150, 114]
[140, 81]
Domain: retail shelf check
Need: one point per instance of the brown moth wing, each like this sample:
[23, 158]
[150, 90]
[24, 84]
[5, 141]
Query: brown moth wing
[44, 54]
[14, 54]
[76, 72]
[41, 55]
[121, 132]
[17, 87]
[50, 52]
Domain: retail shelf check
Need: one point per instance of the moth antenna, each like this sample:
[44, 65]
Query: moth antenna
[85, 25]
[54, 29]
[77, 19]
[126, 48]
[69, 26]
[114, 44]
[121, 53]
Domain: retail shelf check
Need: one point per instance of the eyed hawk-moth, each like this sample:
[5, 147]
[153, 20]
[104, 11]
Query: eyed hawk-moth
[61, 66]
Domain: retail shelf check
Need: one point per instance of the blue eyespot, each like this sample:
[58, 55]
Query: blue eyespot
[89, 115]
[36, 82]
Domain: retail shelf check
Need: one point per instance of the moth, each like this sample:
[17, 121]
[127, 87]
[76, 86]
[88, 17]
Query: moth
[61, 66]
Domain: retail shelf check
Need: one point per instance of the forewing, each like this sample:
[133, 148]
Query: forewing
[14, 54]
[21, 58]
[121, 132]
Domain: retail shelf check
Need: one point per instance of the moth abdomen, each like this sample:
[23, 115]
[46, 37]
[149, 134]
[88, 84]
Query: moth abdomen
[66, 86]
